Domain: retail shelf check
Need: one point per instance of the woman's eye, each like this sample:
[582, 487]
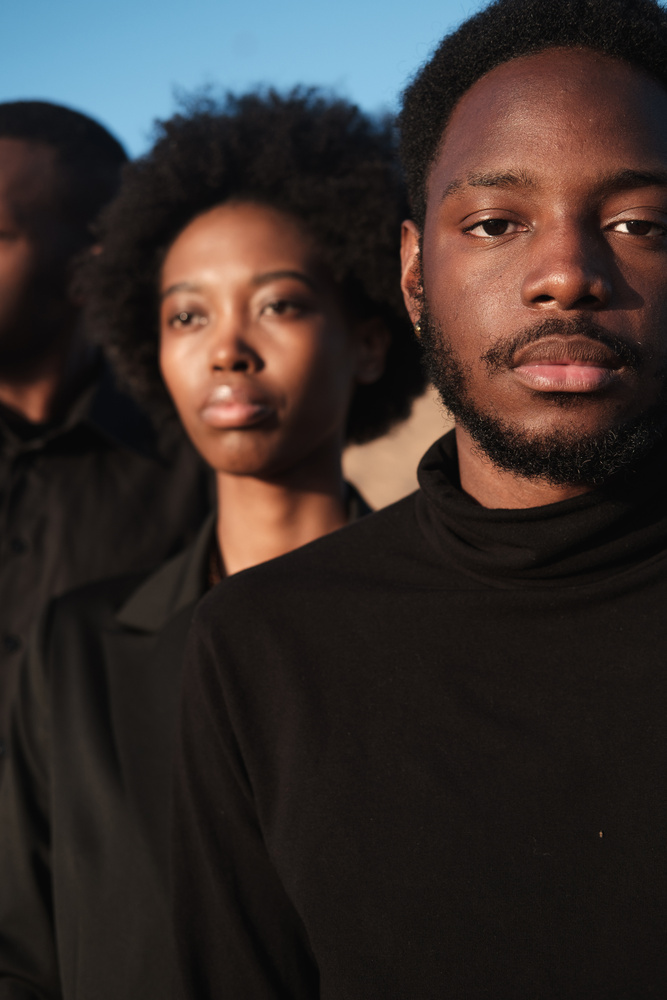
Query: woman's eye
[185, 318]
[639, 227]
[494, 227]
[282, 307]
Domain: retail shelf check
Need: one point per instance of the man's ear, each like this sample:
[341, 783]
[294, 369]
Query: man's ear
[411, 271]
[373, 339]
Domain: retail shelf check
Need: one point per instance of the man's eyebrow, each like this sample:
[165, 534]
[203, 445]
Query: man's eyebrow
[268, 276]
[618, 180]
[502, 179]
[623, 180]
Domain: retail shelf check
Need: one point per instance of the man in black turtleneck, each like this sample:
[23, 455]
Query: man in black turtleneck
[425, 757]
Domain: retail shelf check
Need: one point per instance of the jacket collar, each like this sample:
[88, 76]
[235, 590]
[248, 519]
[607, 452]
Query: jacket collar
[174, 585]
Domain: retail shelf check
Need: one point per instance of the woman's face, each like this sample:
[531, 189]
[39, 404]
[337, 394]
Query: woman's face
[255, 349]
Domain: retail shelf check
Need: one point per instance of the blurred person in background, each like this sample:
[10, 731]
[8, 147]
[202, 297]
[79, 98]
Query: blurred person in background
[250, 268]
[89, 486]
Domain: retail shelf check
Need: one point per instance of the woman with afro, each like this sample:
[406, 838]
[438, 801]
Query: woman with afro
[248, 276]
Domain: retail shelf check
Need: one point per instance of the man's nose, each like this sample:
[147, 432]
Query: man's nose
[569, 269]
[232, 350]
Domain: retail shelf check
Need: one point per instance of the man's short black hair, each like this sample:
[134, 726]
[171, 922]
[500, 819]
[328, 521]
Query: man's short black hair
[632, 30]
[89, 158]
[318, 159]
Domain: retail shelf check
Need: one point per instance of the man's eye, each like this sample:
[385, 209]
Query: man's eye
[493, 227]
[639, 227]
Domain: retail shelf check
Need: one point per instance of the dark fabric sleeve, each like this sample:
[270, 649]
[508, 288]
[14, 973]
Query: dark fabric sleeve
[28, 961]
[238, 935]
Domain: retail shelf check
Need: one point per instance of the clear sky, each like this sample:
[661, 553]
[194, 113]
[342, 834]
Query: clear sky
[124, 62]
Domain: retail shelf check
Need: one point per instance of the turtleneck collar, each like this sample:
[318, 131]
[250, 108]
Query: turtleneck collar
[578, 540]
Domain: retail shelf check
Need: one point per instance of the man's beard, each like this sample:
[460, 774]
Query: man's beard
[560, 457]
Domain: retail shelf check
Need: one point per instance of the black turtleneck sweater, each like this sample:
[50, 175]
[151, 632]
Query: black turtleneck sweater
[430, 764]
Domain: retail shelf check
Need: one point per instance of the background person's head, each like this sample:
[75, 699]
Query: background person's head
[58, 168]
[295, 200]
[536, 259]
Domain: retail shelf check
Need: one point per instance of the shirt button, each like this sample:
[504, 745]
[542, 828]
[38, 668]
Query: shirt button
[17, 546]
[12, 643]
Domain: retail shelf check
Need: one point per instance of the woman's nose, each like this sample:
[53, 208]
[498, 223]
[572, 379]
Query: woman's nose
[232, 350]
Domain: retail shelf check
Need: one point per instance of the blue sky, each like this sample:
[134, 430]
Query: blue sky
[124, 62]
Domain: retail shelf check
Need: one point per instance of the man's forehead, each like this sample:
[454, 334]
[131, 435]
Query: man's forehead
[524, 113]
[30, 177]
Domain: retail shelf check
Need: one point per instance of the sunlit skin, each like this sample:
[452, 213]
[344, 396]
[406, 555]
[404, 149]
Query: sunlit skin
[261, 361]
[548, 199]
[41, 350]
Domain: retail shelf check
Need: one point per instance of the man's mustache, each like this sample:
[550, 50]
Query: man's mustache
[502, 355]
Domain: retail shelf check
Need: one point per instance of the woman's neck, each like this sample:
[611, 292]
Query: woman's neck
[259, 519]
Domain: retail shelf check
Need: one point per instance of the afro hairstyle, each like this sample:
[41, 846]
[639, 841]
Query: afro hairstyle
[317, 159]
[90, 160]
[634, 31]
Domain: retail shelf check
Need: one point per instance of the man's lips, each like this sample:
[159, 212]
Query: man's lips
[562, 364]
[228, 407]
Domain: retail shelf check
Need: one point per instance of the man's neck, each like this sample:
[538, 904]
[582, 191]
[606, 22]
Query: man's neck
[41, 389]
[260, 519]
[494, 488]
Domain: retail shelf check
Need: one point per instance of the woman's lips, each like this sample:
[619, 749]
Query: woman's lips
[234, 407]
[563, 365]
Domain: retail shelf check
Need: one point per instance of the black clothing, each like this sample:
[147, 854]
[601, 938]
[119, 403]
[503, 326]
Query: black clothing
[100, 494]
[84, 804]
[434, 766]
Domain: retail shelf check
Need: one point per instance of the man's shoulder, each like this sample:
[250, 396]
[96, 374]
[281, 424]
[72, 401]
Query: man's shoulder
[357, 556]
[361, 538]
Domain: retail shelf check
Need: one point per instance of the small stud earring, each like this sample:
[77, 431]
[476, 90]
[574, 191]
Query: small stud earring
[418, 328]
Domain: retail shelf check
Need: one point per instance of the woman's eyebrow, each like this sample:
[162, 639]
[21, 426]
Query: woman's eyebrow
[180, 286]
[257, 280]
[267, 276]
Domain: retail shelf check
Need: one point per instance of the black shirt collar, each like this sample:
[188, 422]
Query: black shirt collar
[574, 541]
[101, 407]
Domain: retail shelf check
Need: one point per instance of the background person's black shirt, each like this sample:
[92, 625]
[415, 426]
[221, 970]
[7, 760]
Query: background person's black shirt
[100, 493]
[434, 763]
